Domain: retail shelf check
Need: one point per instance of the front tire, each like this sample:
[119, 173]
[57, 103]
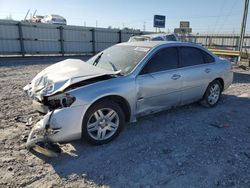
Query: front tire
[212, 94]
[103, 122]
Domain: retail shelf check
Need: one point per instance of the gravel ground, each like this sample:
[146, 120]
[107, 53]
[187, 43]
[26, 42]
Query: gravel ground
[189, 146]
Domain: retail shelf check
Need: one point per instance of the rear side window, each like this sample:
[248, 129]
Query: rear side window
[170, 38]
[165, 59]
[191, 56]
[157, 39]
[207, 57]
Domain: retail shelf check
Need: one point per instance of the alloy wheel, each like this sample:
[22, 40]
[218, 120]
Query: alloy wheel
[214, 94]
[103, 124]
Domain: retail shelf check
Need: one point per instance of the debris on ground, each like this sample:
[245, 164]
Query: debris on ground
[29, 122]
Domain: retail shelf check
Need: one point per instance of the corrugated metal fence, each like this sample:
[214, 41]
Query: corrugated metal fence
[29, 38]
[223, 41]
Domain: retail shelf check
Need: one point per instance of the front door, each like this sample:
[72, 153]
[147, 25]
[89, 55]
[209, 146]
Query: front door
[159, 82]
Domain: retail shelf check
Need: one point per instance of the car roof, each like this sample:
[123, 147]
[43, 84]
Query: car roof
[153, 35]
[157, 35]
[56, 16]
[149, 44]
[154, 44]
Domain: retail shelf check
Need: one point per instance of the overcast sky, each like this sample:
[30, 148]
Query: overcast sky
[205, 16]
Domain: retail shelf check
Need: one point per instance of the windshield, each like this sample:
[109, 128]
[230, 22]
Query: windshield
[119, 58]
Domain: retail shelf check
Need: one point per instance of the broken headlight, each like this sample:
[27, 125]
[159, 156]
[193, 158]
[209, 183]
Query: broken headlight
[60, 101]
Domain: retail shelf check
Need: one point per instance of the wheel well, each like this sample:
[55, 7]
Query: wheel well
[123, 103]
[221, 82]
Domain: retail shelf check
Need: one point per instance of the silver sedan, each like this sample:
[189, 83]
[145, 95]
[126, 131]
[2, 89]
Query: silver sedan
[93, 100]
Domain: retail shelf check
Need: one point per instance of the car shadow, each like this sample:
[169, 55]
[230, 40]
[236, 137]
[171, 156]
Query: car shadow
[155, 149]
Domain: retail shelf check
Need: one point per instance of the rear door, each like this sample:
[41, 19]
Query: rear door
[196, 69]
[159, 82]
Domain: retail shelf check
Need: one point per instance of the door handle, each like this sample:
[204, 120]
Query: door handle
[175, 76]
[207, 70]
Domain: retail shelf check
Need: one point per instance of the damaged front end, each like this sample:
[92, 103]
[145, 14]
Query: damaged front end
[51, 92]
[43, 131]
[62, 120]
[39, 137]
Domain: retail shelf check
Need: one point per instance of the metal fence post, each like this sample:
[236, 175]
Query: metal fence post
[20, 31]
[93, 41]
[120, 36]
[206, 41]
[61, 40]
[237, 43]
[211, 40]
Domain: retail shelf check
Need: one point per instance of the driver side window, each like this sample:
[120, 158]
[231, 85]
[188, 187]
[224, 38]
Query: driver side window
[164, 59]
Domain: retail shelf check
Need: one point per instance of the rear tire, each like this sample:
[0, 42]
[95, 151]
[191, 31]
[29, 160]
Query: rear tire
[212, 94]
[103, 122]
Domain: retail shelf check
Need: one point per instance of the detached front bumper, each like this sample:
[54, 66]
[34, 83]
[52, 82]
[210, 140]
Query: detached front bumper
[60, 125]
[41, 132]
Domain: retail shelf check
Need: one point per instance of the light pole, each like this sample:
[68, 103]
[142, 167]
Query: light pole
[243, 27]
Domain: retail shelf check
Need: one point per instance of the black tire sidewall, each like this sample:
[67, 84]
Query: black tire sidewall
[94, 108]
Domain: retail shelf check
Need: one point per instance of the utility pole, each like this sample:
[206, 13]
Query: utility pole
[243, 27]
[144, 26]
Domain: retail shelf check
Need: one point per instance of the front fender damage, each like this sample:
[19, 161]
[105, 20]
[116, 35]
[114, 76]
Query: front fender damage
[64, 112]
[39, 137]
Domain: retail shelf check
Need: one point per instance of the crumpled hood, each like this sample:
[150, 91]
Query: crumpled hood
[71, 69]
[64, 74]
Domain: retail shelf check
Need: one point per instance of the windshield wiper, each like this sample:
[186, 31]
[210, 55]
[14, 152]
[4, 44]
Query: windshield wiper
[113, 66]
[97, 59]
[118, 72]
